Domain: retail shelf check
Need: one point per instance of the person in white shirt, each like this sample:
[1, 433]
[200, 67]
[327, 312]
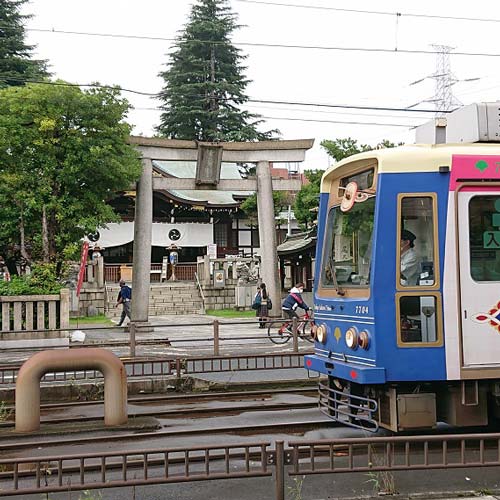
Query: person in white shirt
[409, 263]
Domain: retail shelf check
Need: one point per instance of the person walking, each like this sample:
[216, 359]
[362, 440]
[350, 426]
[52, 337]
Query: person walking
[124, 298]
[263, 304]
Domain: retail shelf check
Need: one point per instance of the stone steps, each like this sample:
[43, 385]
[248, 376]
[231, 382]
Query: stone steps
[169, 298]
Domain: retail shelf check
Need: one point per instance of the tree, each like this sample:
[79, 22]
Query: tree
[307, 199]
[249, 206]
[16, 65]
[204, 82]
[63, 155]
[342, 148]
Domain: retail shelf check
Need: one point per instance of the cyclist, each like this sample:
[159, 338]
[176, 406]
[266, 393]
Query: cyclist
[293, 301]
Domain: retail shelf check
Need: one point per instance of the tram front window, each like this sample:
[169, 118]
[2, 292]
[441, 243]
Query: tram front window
[349, 246]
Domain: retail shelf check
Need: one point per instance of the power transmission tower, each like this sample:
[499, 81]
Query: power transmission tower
[443, 99]
[444, 79]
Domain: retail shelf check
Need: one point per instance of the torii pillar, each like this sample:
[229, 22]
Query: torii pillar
[261, 153]
[267, 235]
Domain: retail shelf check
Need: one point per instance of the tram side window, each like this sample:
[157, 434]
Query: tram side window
[348, 248]
[417, 259]
[418, 319]
[484, 237]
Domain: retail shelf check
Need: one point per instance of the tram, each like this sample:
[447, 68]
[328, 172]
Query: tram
[407, 288]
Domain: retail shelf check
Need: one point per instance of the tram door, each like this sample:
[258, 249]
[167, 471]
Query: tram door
[479, 262]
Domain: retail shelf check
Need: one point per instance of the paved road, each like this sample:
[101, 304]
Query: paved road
[190, 335]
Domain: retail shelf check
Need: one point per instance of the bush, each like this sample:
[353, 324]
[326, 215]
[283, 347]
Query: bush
[42, 281]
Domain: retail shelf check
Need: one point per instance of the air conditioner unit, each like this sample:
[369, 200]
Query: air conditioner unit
[478, 122]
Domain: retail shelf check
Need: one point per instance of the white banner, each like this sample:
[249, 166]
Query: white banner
[184, 234]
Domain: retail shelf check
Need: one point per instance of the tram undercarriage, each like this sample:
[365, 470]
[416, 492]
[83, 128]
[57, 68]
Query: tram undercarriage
[408, 406]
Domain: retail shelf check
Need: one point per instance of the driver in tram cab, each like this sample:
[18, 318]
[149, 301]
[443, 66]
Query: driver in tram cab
[409, 263]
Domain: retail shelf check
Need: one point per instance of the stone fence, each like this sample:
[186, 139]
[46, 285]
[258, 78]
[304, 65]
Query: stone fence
[29, 313]
[206, 266]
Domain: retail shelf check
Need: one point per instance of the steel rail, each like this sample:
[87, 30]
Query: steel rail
[183, 397]
[186, 412]
[135, 436]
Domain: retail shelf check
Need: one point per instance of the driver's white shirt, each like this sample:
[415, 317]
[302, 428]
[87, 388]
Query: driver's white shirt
[409, 267]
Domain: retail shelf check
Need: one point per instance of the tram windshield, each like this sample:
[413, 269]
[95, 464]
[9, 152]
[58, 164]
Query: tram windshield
[348, 248]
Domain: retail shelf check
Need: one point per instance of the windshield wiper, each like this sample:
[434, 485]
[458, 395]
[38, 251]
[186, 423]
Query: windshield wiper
[331, 266]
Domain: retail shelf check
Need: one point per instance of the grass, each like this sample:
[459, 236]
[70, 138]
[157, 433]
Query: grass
[82, 320]
[231, 313]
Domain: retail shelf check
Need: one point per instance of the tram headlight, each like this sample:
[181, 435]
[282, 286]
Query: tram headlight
[351, 338]
[314, 329]
[321, 334]
[364, 340]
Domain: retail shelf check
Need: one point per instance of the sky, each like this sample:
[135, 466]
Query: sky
[393, 42]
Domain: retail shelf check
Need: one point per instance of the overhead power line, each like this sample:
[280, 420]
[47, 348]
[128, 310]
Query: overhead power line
[342, 106]
[339, 121]
[67, 84]
[373, 12]
[268, 45]
[262, 101]
[408, 125]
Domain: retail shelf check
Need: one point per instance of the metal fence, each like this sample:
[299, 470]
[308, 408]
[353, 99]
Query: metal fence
[45, 474]
[177, 367]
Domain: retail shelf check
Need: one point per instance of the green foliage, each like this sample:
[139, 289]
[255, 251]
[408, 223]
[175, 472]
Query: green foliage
[204, 81]
[100, 319]
[43, 280]
[295, 491]
[307, 199]
[90, 495]
[343, 148]
[5, 413]
[249, 206]
[230, 313]
[63, 155]
[16, 66]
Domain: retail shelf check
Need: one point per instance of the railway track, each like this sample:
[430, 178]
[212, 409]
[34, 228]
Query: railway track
[190, 406]
[137, 400]
[165, 418]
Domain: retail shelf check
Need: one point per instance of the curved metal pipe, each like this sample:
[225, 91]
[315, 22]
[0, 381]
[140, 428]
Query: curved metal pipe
[32, 371]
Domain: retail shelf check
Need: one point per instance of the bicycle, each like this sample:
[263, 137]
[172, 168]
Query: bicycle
[281, 334]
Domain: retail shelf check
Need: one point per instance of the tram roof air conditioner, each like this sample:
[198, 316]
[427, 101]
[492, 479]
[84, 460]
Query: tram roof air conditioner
[477, 122]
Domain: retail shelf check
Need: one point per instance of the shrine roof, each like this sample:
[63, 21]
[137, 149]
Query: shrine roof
[205, 197]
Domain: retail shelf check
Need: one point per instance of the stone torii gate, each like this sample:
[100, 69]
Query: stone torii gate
[209, 157]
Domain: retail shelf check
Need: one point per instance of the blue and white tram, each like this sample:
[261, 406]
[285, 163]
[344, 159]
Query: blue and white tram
[407, 287]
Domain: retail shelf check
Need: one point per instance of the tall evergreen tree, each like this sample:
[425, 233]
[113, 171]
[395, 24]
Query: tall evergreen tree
[16, 66]
[204, 81]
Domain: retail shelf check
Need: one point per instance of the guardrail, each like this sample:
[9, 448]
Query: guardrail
[177, 367]
[47, 474]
